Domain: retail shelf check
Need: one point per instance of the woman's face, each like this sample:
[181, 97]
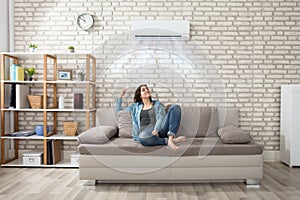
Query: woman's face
[145, 92]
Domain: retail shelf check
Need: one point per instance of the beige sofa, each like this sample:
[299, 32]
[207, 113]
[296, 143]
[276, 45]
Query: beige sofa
[108, 156]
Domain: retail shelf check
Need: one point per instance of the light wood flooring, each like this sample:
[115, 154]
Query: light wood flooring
[279, 182]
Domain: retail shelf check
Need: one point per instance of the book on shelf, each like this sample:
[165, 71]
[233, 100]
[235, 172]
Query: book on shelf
[16, 96]
[16, 73]
[78, 101]
[56, 153]
[6, 95]
[12, 96]
[21, 133]
[49, 153]
[22, 91]
[12, 72]
[53, 151]
[19, 73]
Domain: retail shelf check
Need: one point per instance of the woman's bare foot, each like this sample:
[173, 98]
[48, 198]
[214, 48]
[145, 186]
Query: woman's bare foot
[179, 139]
[172, 145]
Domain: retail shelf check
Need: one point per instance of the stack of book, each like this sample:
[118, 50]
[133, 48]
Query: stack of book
[16, 73]
[53, 151]
[17, 96]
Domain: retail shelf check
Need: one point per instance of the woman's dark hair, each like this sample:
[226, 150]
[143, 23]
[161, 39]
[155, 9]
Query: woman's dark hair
[137, 94]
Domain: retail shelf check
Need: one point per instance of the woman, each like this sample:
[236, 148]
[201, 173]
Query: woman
[151, 124]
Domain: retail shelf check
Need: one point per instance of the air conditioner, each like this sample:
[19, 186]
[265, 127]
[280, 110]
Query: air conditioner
[161, 29]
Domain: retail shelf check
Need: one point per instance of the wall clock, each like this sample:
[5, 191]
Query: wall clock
[85, 21]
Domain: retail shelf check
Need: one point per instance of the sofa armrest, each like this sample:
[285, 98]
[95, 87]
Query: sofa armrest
[97, 135]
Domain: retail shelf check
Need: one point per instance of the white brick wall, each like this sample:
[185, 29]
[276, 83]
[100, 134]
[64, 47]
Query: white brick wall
[250, 46]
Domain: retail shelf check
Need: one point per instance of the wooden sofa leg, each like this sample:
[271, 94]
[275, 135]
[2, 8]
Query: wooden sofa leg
[252, 181]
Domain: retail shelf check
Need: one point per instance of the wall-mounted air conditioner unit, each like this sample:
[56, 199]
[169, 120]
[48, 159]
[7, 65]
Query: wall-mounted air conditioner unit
[161, 29]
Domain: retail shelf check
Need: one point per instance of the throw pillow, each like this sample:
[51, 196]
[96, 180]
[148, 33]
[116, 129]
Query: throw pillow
[208, 122]
[198, 122]
[106, 117]
[234, 135]
[189, 121]
[97, 135]
[227, 117]
[124, 124]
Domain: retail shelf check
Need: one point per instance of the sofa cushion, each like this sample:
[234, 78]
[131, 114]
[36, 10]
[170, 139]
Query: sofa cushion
[227, 117]
[204, 122]
[192, 147]
[106, 117]
[97, 135]
[208, 124]
[234, 135]
[198, 122]
[124, 124]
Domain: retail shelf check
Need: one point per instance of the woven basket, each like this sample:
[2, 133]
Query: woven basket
[35, 101]
[70, 128]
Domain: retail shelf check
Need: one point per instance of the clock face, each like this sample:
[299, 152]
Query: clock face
[85, 21]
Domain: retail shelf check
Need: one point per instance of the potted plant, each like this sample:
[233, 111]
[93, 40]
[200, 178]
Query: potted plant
[80, 75]
[30, 71]
[71, 49]
[32, 47]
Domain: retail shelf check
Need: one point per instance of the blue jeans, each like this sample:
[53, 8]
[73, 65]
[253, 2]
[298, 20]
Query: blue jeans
[170, 126]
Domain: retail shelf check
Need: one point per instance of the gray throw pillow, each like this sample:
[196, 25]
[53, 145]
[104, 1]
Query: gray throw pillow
[234, 135]
[189, 121]
[198, 122]
[228, 117]
[106, 117]
[124, 124]
[97, 135]
[208, 124]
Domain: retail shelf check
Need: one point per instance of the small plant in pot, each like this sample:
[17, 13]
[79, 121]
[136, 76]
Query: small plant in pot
[71, 49]
[80, 75]
[30, 71]
[32, 47]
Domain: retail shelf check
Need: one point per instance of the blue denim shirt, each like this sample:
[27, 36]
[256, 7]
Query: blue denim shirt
[136, 109]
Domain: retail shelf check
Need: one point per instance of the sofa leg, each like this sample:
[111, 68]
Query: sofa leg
[252, 181]
[89, 183]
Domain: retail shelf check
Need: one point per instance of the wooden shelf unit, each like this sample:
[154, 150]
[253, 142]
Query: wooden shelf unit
[90, 86]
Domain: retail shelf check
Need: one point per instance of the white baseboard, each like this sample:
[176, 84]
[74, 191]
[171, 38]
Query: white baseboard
[271, 156]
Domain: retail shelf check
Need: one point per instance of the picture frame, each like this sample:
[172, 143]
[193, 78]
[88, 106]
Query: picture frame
[64, 74]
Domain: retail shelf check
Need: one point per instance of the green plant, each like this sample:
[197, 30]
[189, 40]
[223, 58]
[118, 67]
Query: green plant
[30, 71]
[71, 48]
[80, 72]
[32, 45]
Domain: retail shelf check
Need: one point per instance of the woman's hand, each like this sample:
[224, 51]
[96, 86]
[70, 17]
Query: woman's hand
[154, 132]
[123, 92]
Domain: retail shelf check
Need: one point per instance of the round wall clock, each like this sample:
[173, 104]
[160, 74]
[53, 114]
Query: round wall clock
[85, 21]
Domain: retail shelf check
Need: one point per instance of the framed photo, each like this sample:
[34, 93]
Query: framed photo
[64, 74]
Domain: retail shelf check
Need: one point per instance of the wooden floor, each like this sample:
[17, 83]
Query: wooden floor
[279, 182]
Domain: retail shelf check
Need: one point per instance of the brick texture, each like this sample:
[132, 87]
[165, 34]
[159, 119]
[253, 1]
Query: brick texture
[239, 55]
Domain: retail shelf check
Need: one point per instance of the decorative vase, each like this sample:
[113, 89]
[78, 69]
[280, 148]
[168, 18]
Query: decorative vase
[61, 102]
[29, 78]
[39, 129]
[78, 101]
[32, 50]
